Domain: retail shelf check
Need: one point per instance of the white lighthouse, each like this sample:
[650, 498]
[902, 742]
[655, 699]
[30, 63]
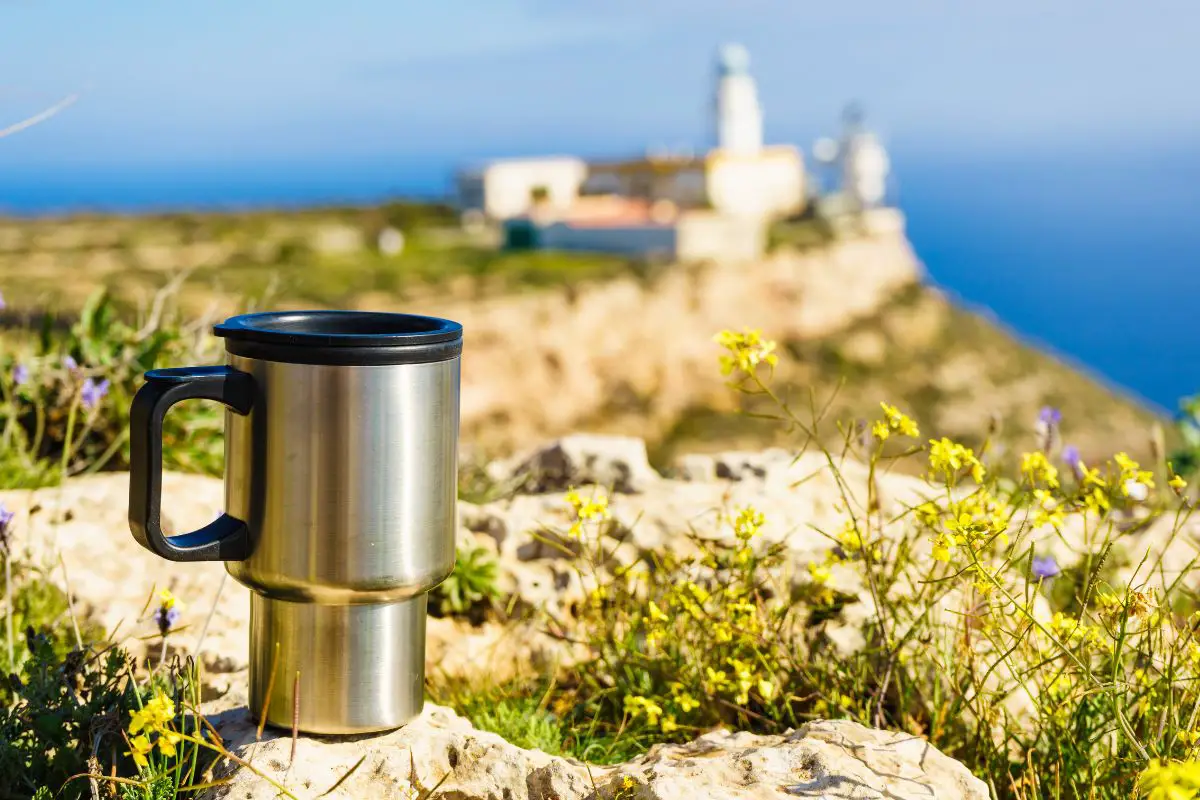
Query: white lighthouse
[864, 163]
[738, 114]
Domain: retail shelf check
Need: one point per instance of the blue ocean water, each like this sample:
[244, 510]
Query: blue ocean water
[1093, 255]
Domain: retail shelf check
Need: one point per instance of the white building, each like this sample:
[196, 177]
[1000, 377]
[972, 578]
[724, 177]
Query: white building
[864, 164]
[740, 178]
[768, 183]
[613, 224]
[511, 187]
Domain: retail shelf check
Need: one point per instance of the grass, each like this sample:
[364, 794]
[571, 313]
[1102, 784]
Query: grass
[518, 711]
[275, 255]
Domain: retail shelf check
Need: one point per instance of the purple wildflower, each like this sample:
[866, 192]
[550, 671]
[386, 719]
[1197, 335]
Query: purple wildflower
[1045, 567]
[1074, 460]
[1048, 421]
[20, 375]
[70, 363]
[1050, 416]
[6, 518]
[1070, 456]
[92, 393]
[165, 617]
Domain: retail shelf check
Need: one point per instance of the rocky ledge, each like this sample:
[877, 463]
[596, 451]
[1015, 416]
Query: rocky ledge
[826, 759]
[110, 578]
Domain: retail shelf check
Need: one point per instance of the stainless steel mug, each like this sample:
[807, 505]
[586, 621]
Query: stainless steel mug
[341, 442]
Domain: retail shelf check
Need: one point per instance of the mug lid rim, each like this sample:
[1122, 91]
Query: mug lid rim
[319, 328]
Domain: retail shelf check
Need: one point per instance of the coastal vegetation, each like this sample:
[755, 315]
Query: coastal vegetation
[333, 257]
[1012, 624]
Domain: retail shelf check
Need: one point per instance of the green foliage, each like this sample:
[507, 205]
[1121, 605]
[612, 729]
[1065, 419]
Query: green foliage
[39, 606]
[1071, 675]
[159, 787]
[69, 717]
[515, 713]
[521, 712]
[66, 707]
[800, 234]
[1186, 458]
[683, 640]
[64, 408]
[470, 588]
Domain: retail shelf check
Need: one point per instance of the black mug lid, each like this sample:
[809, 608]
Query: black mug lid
[344, 338]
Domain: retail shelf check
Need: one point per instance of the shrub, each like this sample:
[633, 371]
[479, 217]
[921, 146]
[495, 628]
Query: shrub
[471, 587]
[64, 407]
[1046, 679]
[79, 716]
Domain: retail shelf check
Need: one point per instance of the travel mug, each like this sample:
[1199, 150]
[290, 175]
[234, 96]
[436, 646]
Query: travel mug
[341, 443]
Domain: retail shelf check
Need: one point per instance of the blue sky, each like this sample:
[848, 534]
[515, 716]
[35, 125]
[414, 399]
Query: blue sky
[167, 83]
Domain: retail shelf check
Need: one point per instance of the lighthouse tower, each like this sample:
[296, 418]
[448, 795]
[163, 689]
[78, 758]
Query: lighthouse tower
[864, 162]
[738, 114]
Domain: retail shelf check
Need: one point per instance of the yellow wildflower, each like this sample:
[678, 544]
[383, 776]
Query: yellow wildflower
[851, 539]
[656, 613]
[1071, 631]
[1047, 510]
[894, 421]
[1177, 484]
[591, 509]
[668, 724]
[715, 680]
[154, 716]
[1038, 469]
[948, 458]
[966, 529]
[1097, 501]
[819, 572]
[928, 513]
[1173, 780]
[166, 742]
[1132, 473]
[942, 545]
[746, 351]
[139, 748]
[747, 523]
[1091, 477]
[687, 702]
[766, 688]
[636, 706]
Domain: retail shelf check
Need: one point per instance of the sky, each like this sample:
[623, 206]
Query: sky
[311, 81]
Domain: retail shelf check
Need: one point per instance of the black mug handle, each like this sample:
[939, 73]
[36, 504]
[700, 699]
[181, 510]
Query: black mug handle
[224, 539]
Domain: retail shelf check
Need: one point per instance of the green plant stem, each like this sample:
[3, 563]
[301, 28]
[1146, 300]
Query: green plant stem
[67, 441]
[8, 609]
[224, 753]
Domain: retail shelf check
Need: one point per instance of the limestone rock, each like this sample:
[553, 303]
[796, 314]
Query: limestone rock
[828, 760]
[696, 468]
[739, 466]
[618, 462]
[825, 759]
[438, 746]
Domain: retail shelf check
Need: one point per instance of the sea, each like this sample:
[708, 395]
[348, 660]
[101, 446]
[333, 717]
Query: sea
[1093, 255]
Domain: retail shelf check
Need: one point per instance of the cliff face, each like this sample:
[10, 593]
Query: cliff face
[543, 363]
[556, 343]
